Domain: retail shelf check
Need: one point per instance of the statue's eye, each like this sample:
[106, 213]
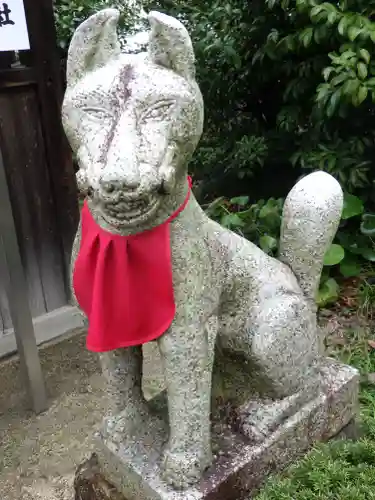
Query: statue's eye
[158, 112]
[97, 113]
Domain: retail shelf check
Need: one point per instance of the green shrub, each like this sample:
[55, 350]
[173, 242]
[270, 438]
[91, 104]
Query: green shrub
[287, 88]
[70, 13]
[286, 84]
[260, 223]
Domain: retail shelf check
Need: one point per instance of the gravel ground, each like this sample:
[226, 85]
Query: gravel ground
[39, 454]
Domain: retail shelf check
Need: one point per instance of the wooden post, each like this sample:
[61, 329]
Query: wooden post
[46, 63]
[12, 274]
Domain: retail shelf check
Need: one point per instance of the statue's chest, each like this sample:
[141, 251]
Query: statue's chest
[197, 272]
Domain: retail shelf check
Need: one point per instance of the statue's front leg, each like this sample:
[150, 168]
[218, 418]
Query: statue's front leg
[122, 370]
[187, 356]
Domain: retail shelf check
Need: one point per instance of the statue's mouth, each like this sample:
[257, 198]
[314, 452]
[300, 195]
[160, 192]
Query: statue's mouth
[130, 212]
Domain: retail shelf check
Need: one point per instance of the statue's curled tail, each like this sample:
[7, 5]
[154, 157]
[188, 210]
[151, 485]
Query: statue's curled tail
[311, 216]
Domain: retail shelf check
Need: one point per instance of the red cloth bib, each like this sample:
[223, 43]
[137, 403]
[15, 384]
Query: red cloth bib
[124, 284]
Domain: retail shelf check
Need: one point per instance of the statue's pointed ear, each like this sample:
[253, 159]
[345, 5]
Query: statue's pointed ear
[94, 43]
[170, 45]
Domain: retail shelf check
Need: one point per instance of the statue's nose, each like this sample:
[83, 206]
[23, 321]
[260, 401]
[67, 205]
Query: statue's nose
[110, 182]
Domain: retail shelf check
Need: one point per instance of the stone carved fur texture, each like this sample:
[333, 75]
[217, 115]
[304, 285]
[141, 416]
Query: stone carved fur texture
[134, 121]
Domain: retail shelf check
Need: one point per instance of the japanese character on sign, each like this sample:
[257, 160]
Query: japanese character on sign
[4, 15]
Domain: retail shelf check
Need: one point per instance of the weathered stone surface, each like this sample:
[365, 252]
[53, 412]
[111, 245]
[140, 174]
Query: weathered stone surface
[240, 465]
[134, 121]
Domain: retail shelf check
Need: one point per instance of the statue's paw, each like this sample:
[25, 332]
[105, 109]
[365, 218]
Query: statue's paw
[181, 470]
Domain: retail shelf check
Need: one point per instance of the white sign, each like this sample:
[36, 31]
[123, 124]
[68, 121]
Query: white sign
[13, 27]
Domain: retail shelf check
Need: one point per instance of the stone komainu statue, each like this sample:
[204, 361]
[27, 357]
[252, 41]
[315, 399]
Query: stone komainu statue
[148, 264]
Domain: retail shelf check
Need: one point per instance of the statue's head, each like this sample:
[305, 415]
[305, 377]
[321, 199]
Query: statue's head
[133, 120]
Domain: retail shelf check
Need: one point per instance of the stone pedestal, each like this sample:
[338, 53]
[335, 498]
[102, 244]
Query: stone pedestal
[241, 465]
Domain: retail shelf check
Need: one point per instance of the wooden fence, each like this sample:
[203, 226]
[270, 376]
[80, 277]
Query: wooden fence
[40, 179]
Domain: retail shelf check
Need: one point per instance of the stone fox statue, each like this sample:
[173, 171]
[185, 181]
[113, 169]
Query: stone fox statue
[134, 121]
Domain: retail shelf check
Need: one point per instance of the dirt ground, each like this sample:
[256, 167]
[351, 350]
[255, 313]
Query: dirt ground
[39, 454]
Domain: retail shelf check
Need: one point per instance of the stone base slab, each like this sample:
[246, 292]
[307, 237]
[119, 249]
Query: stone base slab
[241, 465]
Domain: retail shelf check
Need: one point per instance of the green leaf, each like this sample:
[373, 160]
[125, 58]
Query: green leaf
[328, 292]
[327, 71]
[342, 77]
[351, 86]
[267, 243]
[362, 70]
[268, 209]
[352, 241]
[365, 54]
[353, 32]
[232, 221]
[342, 25]
[334, 255]
[215, 206]
[315, 11]
[240, 201]
[331, 164]
[350, 266]
[362, 95]
[306, 36]
[323, 92]
[333, 102]
[332, 16]
[368, 254]
[270, 214]
[368, 224]
[352, 206]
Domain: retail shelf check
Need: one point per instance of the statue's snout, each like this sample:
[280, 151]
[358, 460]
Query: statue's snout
[114, 181]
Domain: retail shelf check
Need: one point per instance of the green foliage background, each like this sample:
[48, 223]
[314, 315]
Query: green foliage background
[289, 87]
[69, 14]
